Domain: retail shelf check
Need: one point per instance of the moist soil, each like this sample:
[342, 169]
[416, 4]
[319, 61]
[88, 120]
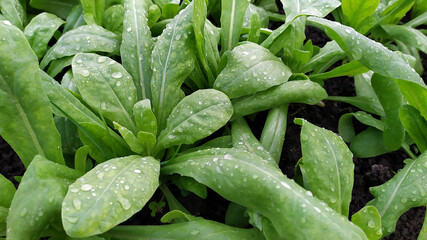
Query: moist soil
[368, 172]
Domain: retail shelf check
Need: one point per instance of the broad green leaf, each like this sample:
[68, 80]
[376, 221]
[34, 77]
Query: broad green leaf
[69, 135]
[60, 8]
[371, 54]
[369, 220]
[348, 69]
[345, 124]
[7, 190]
[113, 19]
[81, 115]
[365, 103]
[273, 133]
[232, 14]
[368, 143]
[172, 61]
[245, 179]
[87, 38]
[93, 11]
[75, 19]
[391, 99]
[327, 166]
[199, 229]
[244, 139]
[355, 11]
[326, 56]
[407, 35]
[13, 11]
[415, 125]
[37, 202]
[109, 194]
[250, 69]
[195, 117]
[137, 46]
[56, 66]
[105, 85]
[40, 30]
[407, 189]
[319, 8]
[301, 91]
[26, 117]
[144, 117]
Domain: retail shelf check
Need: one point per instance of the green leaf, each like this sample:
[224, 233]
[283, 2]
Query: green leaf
[253, 10]
[109, 194]
[407, 189]
[420, 20]
[345, 124]
[137, 46]
[130, 138]
[144, 117]
[246, 71]
[13, 11]
[60, 8]
[69, 135]
[212, 38]
[255, 30]
[40, 30]
[327, 166]
[154, 14]
[87, 38]
[7, 190]
[195, 117]
[415, 125]
[391, 99]
[161, 3]
[326, 56]
[25, 116]
[415, 94]
[355, 11]
[80, 159]
[56, 66]
[407, 35]
[191, 185]
[301, 91]
[368, 143]
[93, 11]
[3, 216]
[348, 69]
[244, 139]
[236, 216]
[74, 19]
[369, 220]
[113, 19]
[273, 133]
[37, 202]
[147, 140]
[371, 54]
[365, 103]
[172, 61]
[244, 178]
[199, 229]
[105, 85]
[319, 8]
[232, 14]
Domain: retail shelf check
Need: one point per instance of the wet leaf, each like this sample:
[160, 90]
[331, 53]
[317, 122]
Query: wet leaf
[415, 125]
[273, 134]
[232, 14]
[320, 8]
[369, 220]
[109, 194]
[144, 117]
[13, 11]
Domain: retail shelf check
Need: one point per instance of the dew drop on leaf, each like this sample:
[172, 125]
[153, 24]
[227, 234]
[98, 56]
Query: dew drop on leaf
[86, 187]
[124, 203]
[85, 73]
[195, 232]
[77, 204]
[116, 75]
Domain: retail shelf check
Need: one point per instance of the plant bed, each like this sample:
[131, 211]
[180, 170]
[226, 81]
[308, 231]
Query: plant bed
[162, 118]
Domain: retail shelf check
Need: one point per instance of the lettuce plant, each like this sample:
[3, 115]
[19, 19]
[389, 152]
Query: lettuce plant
[107, 101]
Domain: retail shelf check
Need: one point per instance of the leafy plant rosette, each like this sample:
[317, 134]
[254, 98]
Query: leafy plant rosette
[107, 101]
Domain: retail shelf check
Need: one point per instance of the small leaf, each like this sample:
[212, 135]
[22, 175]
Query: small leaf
[365, 103]
[355, 11]
[301, 91]
[37, 202]
[232, 14]
[327, 55]
[407, 189]
[415, 125]
[57, 65]
[113, 19]
[130, 138]
[109, 194]
[93, 11]
[368, 143]
[147, 140]
[105, 85]
[327, 166]
[345, 124]
[369, 220]
[145, 119]
[40, 30]
[195, 117]
[88, 38]
[250, 69]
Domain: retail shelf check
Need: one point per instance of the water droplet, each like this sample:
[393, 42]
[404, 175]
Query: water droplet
[7, 23]
[77, 204]
[103, 106]
[195, 232]
[23, 212]
[85, 73]
[124, 203]
[347, 30]
[303, 219]
[74, 190]
[72, 219]
[126, 187]
[118, 83]
[178, 36]
[137, 171]
[116, 75]
[101, 175]
[86, 187]
[371, 224]
[102, 59]
[129, 29]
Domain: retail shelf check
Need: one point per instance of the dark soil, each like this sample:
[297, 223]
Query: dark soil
[368, 172]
